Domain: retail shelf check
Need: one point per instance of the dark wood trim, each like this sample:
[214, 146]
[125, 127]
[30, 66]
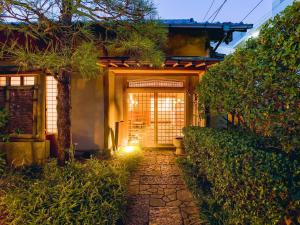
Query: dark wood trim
[106, 109]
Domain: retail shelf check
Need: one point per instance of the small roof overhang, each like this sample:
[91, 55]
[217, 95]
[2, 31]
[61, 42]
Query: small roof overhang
[214, 31]
[171, 62]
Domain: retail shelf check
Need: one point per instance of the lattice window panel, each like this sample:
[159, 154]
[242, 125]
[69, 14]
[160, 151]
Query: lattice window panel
[51, 102]
[141, 118]
[155, 118]
[170, 117]
[15, 81]
[20, 102]
[21, 111]
[29, 81]
[3, 81]
[155, 83]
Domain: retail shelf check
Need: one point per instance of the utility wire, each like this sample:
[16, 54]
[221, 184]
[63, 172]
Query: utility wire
[252, 10]
[212, 3]
[215, 14]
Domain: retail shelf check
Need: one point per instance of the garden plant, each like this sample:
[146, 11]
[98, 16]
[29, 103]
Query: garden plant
[249, 173]
[90, 192]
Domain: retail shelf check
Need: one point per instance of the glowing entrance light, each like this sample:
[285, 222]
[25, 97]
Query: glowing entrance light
[129, 149]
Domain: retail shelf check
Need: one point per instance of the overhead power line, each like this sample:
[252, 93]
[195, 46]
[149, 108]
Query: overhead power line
[215, 14]
[212, 3]
[252, 10]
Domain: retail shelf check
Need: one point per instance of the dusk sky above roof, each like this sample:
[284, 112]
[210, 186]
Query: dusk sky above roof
[233, 10]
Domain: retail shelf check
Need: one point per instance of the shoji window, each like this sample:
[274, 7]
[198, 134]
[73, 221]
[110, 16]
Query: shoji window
[51, 101]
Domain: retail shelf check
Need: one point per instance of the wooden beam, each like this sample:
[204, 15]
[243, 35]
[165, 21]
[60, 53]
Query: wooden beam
[188, 64]
[126, 65]
[125, 71]
[200, 64]
[175, 64]
[113, 64]
[163, 65]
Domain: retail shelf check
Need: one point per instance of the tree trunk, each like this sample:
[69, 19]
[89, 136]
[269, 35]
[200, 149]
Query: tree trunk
[64, 89]
[64, 117]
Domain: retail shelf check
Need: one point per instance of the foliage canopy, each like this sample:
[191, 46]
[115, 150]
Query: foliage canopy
[260, 82]
[60, 34]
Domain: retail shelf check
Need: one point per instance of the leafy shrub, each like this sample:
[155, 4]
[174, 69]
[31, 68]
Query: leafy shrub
[260, 82]
[2, 164]
[3, 121]
[252, 185]
[79, 193]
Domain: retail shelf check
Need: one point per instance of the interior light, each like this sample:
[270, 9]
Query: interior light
[129, 149]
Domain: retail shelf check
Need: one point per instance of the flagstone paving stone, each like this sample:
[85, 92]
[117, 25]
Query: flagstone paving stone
[157, 194]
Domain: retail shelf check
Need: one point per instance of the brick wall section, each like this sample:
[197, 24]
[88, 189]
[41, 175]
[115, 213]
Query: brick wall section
[21, 110]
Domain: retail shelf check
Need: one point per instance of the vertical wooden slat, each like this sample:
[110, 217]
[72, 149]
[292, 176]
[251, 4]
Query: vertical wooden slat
[155, 118]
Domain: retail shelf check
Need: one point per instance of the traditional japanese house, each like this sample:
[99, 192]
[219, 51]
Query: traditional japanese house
[132, 103]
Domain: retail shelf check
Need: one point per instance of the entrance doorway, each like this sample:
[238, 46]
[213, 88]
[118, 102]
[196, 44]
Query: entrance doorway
[155, 118]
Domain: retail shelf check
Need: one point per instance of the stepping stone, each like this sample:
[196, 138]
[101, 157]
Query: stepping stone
[165, 216]
[157, 194]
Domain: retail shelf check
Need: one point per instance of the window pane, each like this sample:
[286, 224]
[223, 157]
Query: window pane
[15, 81]
[2, 81]
[51, 113]
[29, 80]
[155, 83]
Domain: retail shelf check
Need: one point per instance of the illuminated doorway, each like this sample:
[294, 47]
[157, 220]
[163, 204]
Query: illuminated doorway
[155, 118]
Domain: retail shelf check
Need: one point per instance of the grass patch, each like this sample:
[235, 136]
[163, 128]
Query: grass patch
[93, 192]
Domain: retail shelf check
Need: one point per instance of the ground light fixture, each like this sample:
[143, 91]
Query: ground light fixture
[129, 149]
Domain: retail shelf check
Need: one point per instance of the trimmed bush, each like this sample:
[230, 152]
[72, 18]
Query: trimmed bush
[251, 184]
[92, 192]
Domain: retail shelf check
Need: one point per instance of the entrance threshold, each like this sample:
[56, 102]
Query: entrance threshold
[167, 147]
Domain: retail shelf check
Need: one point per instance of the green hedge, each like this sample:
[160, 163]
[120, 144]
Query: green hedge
[92, 192]
[251, 184]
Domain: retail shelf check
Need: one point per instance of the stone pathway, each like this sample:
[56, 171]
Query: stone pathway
[157, 194]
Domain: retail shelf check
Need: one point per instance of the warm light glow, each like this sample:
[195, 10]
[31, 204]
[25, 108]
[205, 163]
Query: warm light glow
[132, 102]
[2, 81]
[29, 81]
[51, 102]
[15, 81]
[129, 149]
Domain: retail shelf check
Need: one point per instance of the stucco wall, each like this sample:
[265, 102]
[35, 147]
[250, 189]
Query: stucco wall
[187, 44]
[88, 113]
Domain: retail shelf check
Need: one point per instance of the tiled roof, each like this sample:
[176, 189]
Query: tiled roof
[191, 23]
